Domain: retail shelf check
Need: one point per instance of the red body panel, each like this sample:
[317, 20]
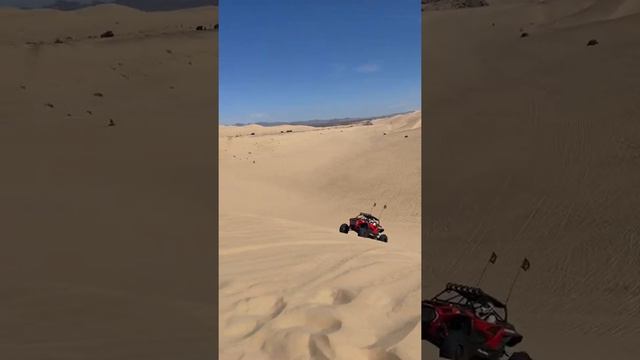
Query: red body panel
[494, 335]
[356, 223]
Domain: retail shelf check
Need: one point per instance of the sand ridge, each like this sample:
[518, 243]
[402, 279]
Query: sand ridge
[25, 26]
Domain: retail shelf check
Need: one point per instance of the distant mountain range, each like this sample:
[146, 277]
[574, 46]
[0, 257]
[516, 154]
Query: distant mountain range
[451, 4]
[144, 5]
[326, 122]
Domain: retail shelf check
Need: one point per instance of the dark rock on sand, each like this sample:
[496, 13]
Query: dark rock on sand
[107, 34]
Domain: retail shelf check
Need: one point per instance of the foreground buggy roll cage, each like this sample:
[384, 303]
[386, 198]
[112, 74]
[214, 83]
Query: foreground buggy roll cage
[464, 322]
[471, 298]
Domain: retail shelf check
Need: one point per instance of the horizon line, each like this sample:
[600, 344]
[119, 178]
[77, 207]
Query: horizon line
[318, 121]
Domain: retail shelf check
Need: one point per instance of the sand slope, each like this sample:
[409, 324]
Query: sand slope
[102, 226]
[293, 287]
[533, 148]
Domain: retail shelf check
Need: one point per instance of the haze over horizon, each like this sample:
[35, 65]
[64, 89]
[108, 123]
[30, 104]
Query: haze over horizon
[310, 121]
[294, 61]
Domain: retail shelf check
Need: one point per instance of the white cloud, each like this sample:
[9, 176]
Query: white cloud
[368, 68]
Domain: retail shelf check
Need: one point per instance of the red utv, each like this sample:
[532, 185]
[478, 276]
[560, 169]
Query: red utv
[467, 324]
[365, 225]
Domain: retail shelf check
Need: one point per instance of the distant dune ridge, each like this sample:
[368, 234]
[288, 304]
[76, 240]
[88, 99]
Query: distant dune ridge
[106, 247]
[145, 5]
[452, 4]
[293, 287]
[327, 122]
[532, 149]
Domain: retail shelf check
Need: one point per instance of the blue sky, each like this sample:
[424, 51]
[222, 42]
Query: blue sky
[291, 60]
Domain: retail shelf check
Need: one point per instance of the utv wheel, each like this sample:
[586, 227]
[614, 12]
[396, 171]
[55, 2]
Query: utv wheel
[455, 347]
[428, 314]
[459, 354]
[344, 228]
[520, 355]
[383, 238]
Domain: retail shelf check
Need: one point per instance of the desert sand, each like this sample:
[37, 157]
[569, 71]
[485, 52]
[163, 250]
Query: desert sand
[293, 287]
[107, 232]
[533, 149]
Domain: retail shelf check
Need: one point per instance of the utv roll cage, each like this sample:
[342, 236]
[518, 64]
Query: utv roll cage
[368, 216]
[471, 298]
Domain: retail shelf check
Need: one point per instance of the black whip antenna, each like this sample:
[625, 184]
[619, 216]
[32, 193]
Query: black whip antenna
[524, 267]
[492, 260]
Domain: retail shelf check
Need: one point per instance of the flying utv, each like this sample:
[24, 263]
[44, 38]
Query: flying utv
[365, 225]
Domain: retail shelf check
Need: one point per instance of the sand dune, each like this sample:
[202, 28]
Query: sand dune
[102, 225]
[291, 286]
[27, 26]
[532, 150]
[237, 131]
